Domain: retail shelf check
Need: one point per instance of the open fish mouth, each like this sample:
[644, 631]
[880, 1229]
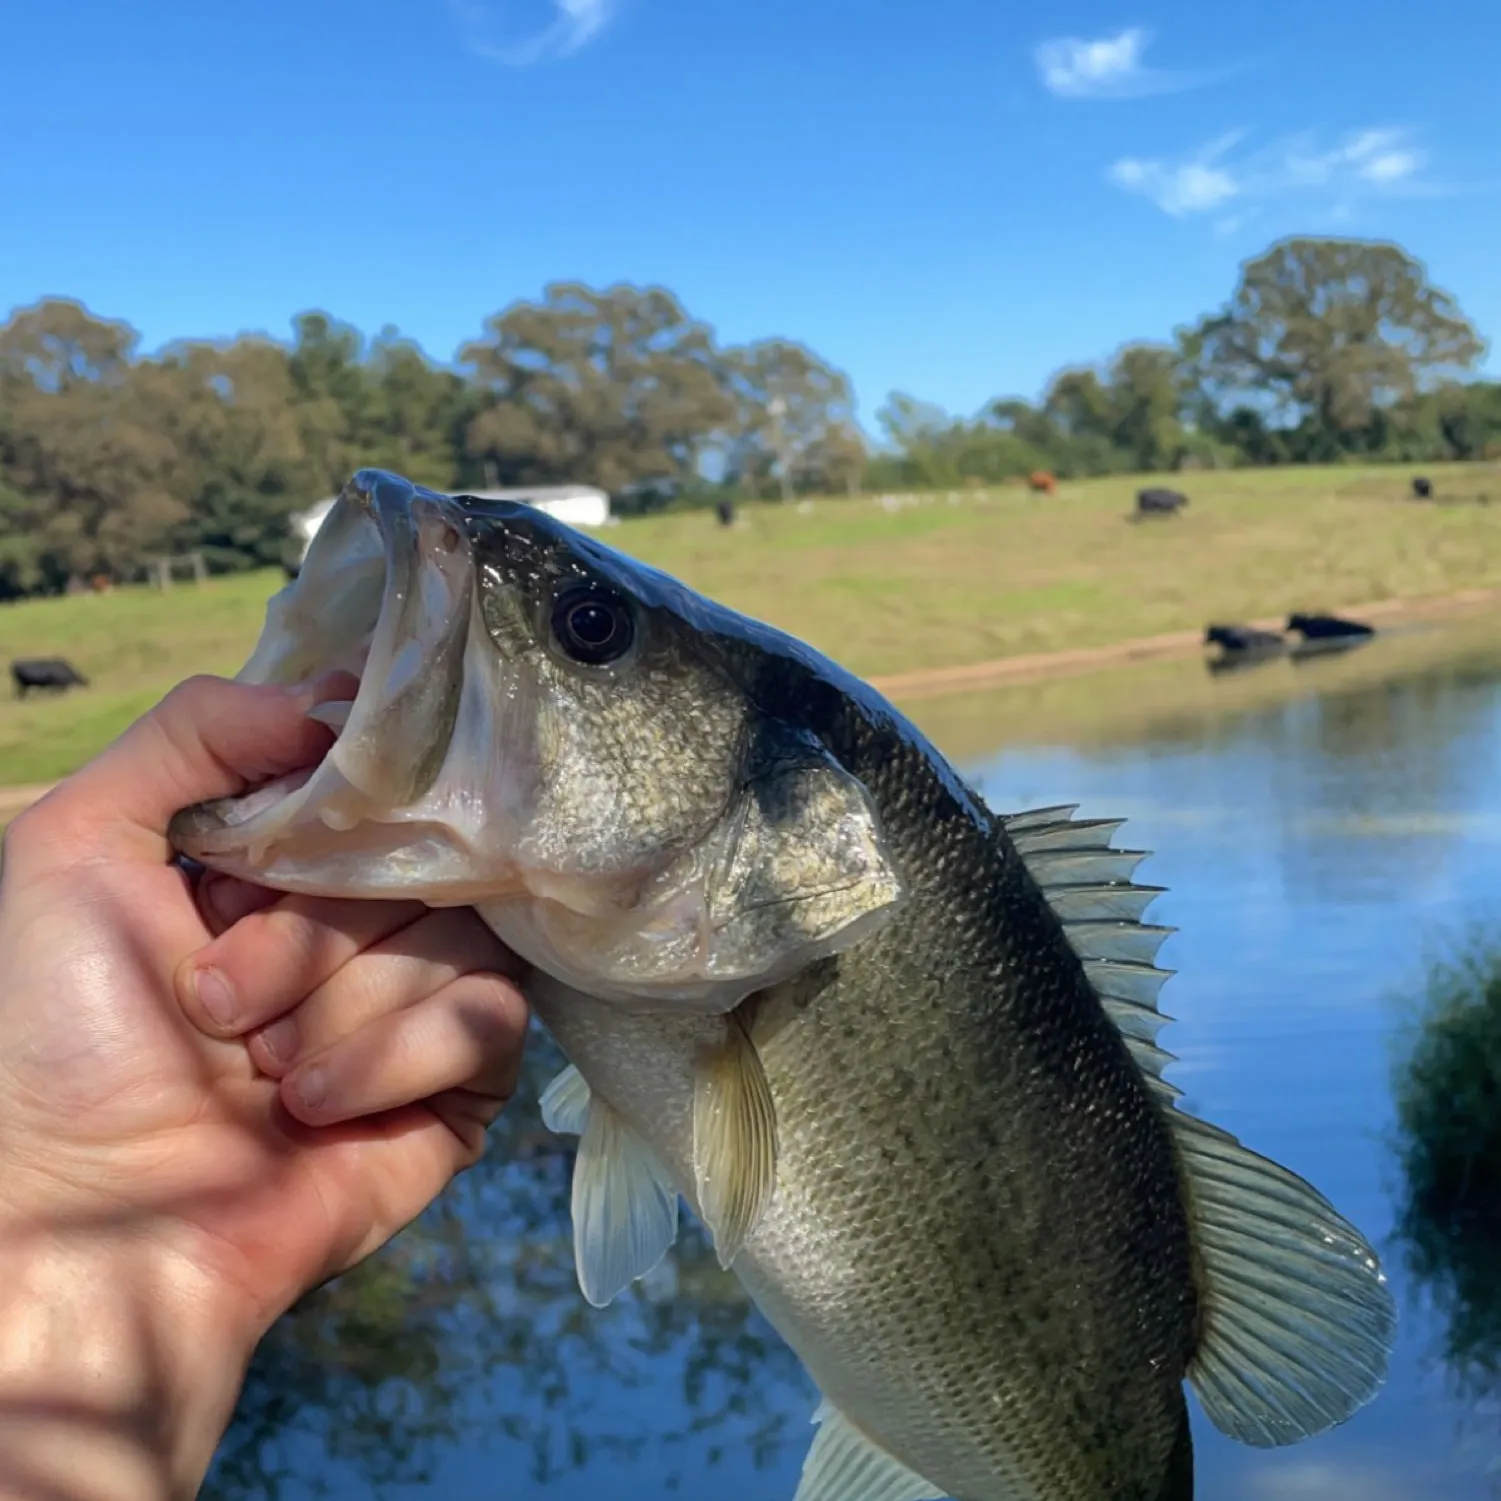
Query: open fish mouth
[381, 614]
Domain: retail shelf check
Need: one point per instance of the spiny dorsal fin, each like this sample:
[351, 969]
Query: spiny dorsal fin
[1088, 885]
[1298, 1322]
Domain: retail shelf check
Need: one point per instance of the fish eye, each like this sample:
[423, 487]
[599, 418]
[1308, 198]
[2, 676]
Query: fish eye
[593, 625]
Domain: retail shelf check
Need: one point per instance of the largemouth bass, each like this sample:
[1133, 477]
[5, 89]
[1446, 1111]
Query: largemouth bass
[896, 1051]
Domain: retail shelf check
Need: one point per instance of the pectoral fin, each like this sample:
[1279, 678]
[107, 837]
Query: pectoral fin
[844, 1465]
[625, 1208]
[565, 1104]
[734, 1140]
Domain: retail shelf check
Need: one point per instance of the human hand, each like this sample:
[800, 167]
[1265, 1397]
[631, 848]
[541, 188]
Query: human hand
[154, 1157]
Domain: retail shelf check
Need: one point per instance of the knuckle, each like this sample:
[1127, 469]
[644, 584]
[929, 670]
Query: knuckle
[479, 944]
[190, 699]
[270, 954]
[497, 1009]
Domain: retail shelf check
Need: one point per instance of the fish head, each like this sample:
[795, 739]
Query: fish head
[559, 736]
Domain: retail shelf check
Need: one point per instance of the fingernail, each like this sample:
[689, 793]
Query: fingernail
[335, 685]
[216, 997]
[311, 1088]
[280, 1040]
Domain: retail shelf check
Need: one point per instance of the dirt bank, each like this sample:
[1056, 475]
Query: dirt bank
[936, 681]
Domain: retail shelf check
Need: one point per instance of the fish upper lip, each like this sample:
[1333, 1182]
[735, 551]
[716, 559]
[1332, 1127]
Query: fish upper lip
[413, 527]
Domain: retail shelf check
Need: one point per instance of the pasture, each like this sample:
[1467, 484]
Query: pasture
[888, 586]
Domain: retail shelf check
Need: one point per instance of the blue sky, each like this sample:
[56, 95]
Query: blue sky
[954, 199]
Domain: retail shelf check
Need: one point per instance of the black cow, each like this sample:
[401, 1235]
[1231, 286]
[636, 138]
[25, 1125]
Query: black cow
[1325, 635]
[1422, 487]
[1160, 502]
[1242, 638]
[725, 511]
[1242, 646]
[45, 672]
[1329, 628]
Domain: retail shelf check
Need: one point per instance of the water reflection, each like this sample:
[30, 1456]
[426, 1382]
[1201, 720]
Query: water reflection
[467, 1332]
[1448, 1104]
[1312, 840]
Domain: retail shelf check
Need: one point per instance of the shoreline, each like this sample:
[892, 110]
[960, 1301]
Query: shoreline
[938, 682]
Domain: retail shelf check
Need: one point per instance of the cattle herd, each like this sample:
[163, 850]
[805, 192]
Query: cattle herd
[1238, 644]
[1304, 636]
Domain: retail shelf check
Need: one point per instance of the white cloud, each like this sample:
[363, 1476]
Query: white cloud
[1072, 67]
[1382, 155]
[1381, 161]
[1108, 67]
[574, 24]
[1187, 189]
[1391, 166]
[1193, 186]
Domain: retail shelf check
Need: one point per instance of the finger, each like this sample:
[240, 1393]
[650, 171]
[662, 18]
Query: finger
[468, 1036]
[469, 1114]
[226, 900]
[208, 738]
[273, 959]
[388, 976]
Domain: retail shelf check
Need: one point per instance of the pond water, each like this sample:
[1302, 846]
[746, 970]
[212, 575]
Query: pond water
[1318, 841]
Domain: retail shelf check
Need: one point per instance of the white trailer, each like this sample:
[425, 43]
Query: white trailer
[575, 505]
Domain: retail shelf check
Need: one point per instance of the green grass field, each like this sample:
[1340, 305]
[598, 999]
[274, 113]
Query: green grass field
[934, 581]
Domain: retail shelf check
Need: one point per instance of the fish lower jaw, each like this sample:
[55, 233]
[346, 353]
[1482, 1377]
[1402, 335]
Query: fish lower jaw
[330, 829]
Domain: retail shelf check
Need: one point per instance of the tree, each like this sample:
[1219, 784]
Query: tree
[936, 449]
[332, 395]
[83, 450]
[1146, 400]
[1326, 330]
[1247, 430]
[909, 423]
[414, 413]
[620, 387]
[1080, 418]
[231, 413]
[57, 345]
[813, 426]
[1021, 420]
[1078, 405]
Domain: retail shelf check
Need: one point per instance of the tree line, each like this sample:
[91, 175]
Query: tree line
[1327, 349]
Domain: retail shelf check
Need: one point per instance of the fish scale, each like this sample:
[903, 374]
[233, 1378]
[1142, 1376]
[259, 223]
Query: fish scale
[932, 1184]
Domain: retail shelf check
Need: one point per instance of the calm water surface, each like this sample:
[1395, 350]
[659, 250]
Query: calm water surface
[1315, 851]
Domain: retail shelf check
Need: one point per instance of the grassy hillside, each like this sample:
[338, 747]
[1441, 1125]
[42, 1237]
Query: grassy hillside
[884, 587]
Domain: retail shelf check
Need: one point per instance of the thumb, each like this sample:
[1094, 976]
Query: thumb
[208, 738]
